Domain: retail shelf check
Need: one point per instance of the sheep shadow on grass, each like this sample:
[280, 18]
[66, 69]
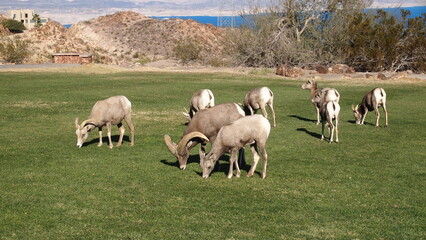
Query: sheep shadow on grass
[114, 140]
[302, 118]
[313, 134]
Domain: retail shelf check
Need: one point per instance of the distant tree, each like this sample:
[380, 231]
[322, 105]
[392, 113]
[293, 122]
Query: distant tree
[13, 25]
[37, 20]
[382, 41]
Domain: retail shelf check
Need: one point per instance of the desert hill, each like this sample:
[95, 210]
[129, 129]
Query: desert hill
[121, 38]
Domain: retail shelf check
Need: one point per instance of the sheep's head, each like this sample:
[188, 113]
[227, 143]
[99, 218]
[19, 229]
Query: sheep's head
[207, 163]
[357, 114]
[308, 84]
[181, 150]
[82, 131]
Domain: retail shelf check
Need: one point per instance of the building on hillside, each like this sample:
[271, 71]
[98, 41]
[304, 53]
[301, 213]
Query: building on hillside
[26, 16]
[81, 58]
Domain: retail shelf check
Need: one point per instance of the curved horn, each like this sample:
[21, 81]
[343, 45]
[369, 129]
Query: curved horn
[170, 145]
[353, 107]
[76, 123]
[181, 147]
[86, 122]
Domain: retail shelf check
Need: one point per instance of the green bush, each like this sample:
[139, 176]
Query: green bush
[14, 51]
[13, 25]
[187, 50]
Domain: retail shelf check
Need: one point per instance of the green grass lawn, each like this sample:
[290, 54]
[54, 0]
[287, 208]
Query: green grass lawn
[372, 185]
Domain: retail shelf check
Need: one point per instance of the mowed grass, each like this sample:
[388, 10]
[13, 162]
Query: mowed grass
[372, 185]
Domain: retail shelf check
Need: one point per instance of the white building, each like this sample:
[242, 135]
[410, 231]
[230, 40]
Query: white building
[26, 16]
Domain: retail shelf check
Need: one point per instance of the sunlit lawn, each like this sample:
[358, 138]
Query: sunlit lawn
[372, 185]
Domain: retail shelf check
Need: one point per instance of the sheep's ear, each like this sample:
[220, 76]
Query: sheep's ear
[76, 123]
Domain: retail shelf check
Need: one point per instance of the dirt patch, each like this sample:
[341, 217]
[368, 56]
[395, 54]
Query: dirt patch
[174, 66]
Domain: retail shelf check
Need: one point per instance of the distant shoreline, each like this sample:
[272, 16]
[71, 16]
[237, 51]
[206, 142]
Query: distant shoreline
[415, 12]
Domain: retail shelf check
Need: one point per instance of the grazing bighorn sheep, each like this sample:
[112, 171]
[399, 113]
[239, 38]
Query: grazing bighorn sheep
[200, 100]
[111, 111]
[320, 95]
[371, 101]
[208, 122]
[258, 98]
[253, 130]
[329, 111]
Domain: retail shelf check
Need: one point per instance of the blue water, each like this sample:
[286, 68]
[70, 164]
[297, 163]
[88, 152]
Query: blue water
[415, 12]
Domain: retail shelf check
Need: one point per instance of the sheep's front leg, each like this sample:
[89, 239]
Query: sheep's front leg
[363, 117]
[322, 132]
[122, 130]
[109, 134]
[100, 137]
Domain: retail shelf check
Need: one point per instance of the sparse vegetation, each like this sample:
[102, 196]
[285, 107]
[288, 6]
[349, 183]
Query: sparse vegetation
[187, 50]
[14, 50]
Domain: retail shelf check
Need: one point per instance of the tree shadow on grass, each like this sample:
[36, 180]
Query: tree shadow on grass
[114, 140]
[302, 118]
[313, 134]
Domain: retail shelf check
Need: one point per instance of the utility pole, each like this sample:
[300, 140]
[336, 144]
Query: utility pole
[226, 16]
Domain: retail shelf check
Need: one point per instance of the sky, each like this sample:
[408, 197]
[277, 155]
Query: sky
[73, 11]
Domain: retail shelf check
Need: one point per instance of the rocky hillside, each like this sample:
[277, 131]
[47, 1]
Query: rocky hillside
[122, 38]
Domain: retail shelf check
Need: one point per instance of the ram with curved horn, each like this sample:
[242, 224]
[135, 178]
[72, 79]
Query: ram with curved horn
[208, 122]
[108, 112]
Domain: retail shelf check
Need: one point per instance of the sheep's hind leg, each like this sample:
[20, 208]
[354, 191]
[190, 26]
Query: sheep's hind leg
[122, 130]
[255, 160]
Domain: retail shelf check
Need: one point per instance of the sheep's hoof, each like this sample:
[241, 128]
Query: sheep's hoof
[110, 146]
[99, 144]
[229, 176]
[263, 176]
[249, 174]
[131, 144]
[118, 144]
[238, 175]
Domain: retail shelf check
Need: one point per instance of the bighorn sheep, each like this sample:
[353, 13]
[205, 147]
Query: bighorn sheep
[200, 100]
[208, 122]
[111, 111]
[371, 101]
[320, 95]
[329, 111]
[258, 98]
[253, 130]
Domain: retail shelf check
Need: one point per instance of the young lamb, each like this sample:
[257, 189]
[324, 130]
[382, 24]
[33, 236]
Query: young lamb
[108, 112]
[258, 98]
[320, 95]
[329, 111]
[253, 130]
[371, 101]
